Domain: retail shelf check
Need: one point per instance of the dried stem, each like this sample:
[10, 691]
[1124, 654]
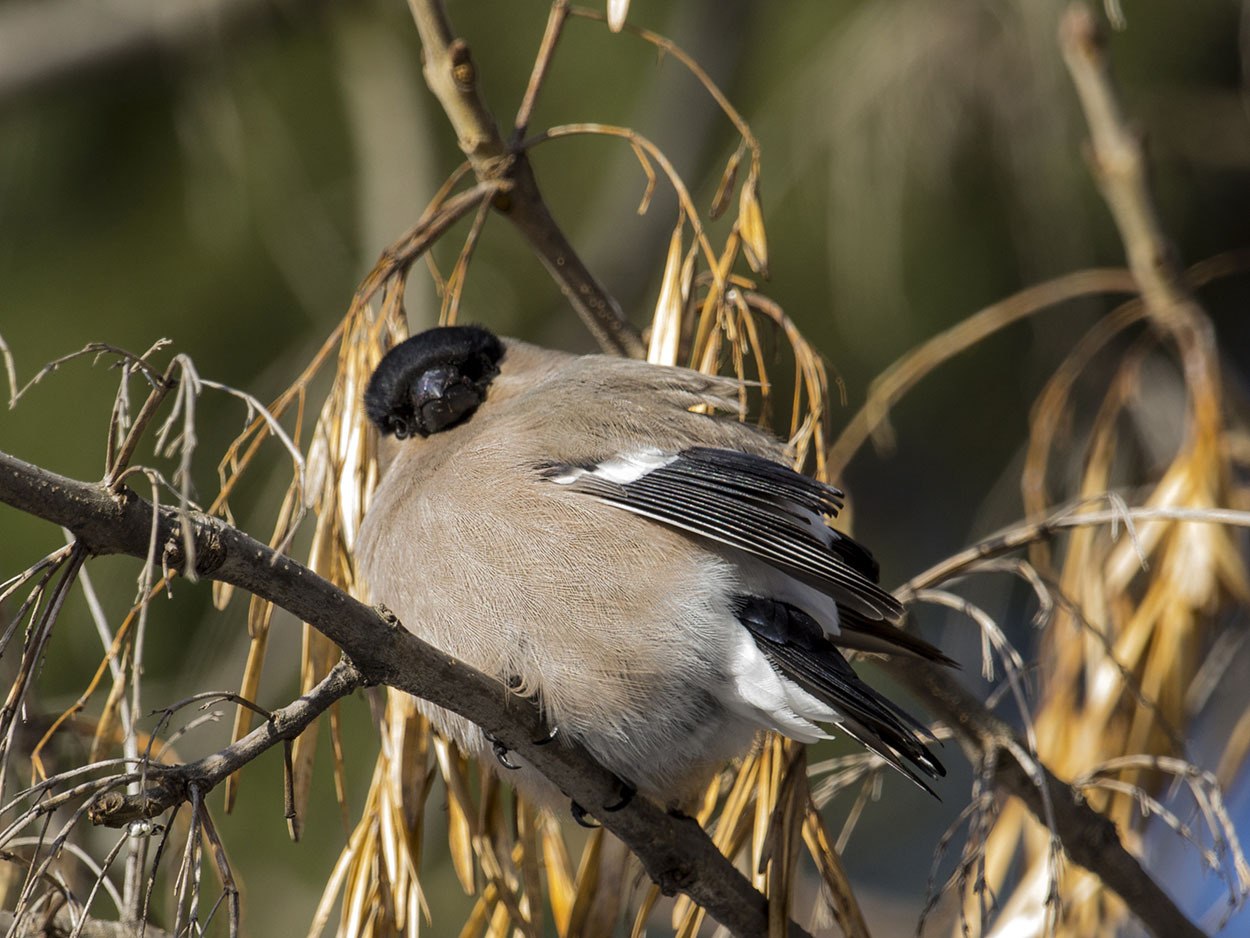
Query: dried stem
[1024, 534]
[1118, 165]
[171, 785]
[1119, 168]
[542, 62]
[903, 375]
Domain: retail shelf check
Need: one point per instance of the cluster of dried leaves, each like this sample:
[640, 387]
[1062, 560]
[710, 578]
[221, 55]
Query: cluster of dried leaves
[1124, 620]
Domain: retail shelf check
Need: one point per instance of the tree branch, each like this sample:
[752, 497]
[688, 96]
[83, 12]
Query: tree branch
[1088, 838]
[1118, 164]
[169, 783]
[674, 850]
[1119, 167]
[450, 73]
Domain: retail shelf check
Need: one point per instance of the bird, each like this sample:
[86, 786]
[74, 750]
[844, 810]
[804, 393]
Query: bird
[607, 537]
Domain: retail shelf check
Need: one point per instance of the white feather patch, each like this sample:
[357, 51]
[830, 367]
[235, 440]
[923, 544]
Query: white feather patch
[622, 469]
[766, 698]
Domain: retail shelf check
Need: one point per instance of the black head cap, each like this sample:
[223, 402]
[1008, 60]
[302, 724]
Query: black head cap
[432, 381]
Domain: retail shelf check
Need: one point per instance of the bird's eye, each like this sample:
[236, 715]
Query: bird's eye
[400, 428]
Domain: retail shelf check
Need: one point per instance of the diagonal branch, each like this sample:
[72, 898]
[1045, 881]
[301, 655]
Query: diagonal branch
[674, 850]
[450, 73]
[1118, 164]
[1089, 839]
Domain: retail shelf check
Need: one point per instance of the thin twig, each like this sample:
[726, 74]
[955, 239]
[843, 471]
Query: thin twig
[230, 889]
[670, 48]
[170, 784]
[1087, 837]
[10, 371]
[32, 655]
[1119, 167]
[542, 62]
[1026, 533]
[888, 387]
[454, 287]
[119, 461]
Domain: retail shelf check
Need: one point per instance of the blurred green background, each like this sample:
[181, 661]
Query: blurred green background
[223, 172]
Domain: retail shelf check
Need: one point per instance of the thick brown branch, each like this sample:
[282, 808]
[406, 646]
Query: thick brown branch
[451, 75]
[676, 854]
[674, 851]
[1088, 837]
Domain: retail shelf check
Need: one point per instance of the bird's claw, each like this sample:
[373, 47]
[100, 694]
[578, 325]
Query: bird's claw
[581, 816]
[627, 795]
[501, 753]
[550, 737]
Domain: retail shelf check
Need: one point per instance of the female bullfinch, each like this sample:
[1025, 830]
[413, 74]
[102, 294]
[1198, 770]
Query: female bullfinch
[589, 530]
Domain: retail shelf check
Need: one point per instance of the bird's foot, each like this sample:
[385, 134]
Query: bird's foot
[627, 792]
[625, 796]
[502, 752]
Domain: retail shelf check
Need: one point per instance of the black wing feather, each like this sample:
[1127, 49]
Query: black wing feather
[796, 647]
[877, 637]
[874, 721]
[776, 487]
[757, 506]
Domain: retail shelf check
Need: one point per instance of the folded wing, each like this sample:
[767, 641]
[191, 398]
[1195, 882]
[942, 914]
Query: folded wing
[746, 502]
[779, 516]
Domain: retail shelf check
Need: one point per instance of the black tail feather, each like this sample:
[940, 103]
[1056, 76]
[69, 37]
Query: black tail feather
[884, 638]
[797, 648]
